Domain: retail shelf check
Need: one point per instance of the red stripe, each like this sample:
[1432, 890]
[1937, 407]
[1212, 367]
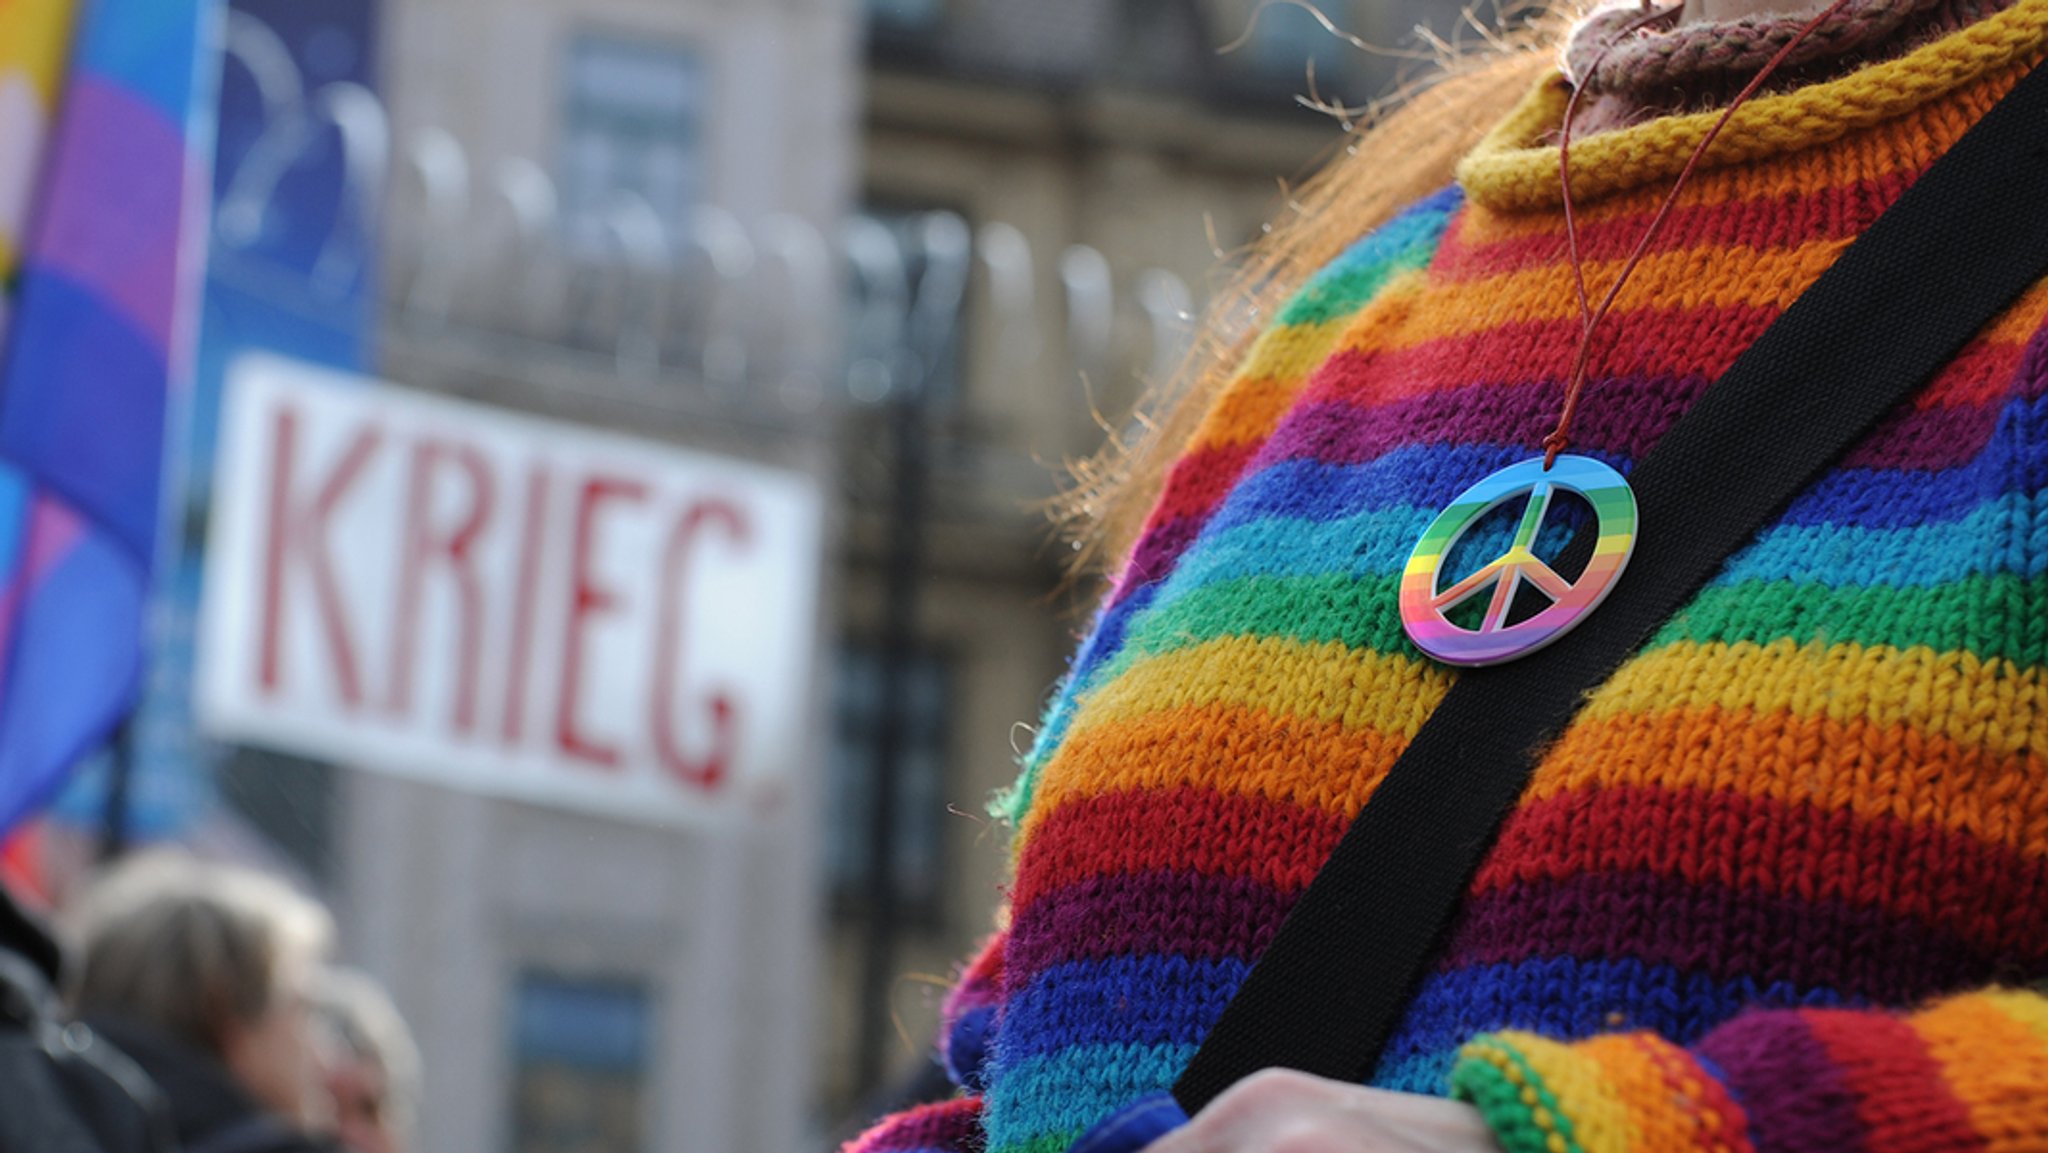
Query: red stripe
[1762, 222]
[1701, 343]
[1902, 1094]
[1200, 480]
[1159, 830]
[1988, 895]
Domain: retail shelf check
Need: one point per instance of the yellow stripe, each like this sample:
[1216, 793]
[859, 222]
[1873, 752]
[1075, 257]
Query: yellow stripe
[2028, 1008]
[1599, 1117]
[1292, 351]
[1994, 705]
[1324, 682]
[1992, 713]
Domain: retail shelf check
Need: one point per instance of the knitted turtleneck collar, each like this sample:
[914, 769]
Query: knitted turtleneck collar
[1515, 167]
[1673, 65]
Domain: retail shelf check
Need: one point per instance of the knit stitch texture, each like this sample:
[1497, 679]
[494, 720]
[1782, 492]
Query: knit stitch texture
[1744, 897]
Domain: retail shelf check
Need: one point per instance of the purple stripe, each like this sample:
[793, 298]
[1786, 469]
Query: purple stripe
[1153, 559]
[1334, 432]
[1795, 1097]
[115, 205]
[1180, 913]
[1865, 953]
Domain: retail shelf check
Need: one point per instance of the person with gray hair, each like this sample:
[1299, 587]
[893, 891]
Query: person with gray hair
[372, 1066]
[202, 973]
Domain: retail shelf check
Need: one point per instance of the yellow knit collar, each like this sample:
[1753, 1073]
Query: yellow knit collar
[1511, 171]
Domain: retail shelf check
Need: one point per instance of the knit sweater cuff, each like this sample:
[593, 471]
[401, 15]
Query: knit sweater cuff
[947, 1127]
[1632, 1091]
[1779, 1081]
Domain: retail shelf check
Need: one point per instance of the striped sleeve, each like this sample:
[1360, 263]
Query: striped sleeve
[947, 1127]
[1966, 1073]
[967, 1024]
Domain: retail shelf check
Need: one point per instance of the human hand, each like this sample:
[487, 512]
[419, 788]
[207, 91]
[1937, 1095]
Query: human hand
[1281, 1111]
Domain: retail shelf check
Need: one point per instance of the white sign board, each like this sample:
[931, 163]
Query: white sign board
[454, 593]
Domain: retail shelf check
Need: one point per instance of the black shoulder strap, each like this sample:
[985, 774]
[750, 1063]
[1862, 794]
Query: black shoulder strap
[1957, 249]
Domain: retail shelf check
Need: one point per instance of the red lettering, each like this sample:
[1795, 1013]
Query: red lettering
[299, 532]
[424, 543]
[708, 771]
[535, 530]
[586, 599]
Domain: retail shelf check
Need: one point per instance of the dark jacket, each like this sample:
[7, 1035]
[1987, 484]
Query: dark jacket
[209, 1111]
[65, 1090]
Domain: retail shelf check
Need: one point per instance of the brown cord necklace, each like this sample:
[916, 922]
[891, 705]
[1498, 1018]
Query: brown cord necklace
[1423, 605]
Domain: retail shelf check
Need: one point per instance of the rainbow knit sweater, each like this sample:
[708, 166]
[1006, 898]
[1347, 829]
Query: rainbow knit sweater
[1780, 884]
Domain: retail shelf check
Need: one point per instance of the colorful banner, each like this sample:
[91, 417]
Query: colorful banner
[99, 339]
[291, 269]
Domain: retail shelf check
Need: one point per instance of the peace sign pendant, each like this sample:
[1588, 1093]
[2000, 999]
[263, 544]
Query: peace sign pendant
[1423, 604]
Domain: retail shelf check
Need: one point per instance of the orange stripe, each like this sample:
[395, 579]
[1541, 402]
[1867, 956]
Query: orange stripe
[1230, 749]
[1895, 771]
[2019, 324]
[1249, 410]
[1995, 1064]
[1708, 188]
[1982, 373]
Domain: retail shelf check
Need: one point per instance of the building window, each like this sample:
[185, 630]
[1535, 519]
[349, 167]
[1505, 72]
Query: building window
[913, 342]
[633, 122]
[580, 1051]
[1284, 43]
[905, 15]
[917, 848]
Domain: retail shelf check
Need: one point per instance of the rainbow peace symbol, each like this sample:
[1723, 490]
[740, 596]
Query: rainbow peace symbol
[1423, 605]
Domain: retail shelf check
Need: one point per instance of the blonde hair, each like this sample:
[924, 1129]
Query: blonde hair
[1400, 156]
[187, 946]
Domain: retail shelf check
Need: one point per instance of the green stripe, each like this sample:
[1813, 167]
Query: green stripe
[1049, 1143]
[1987, 616]
[1990, 616]
[1500, 1103]
[1338, 296]
[1360, 612]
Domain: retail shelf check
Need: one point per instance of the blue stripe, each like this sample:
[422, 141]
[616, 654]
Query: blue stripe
[1073, 1091]
[1148, 999]
[1431, 476]
[1425, 476]
[1566, 998]
[1986, 541]
[1407, 240]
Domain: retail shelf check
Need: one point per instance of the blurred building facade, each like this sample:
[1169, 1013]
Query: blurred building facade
[921, 250]
[616, 213]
